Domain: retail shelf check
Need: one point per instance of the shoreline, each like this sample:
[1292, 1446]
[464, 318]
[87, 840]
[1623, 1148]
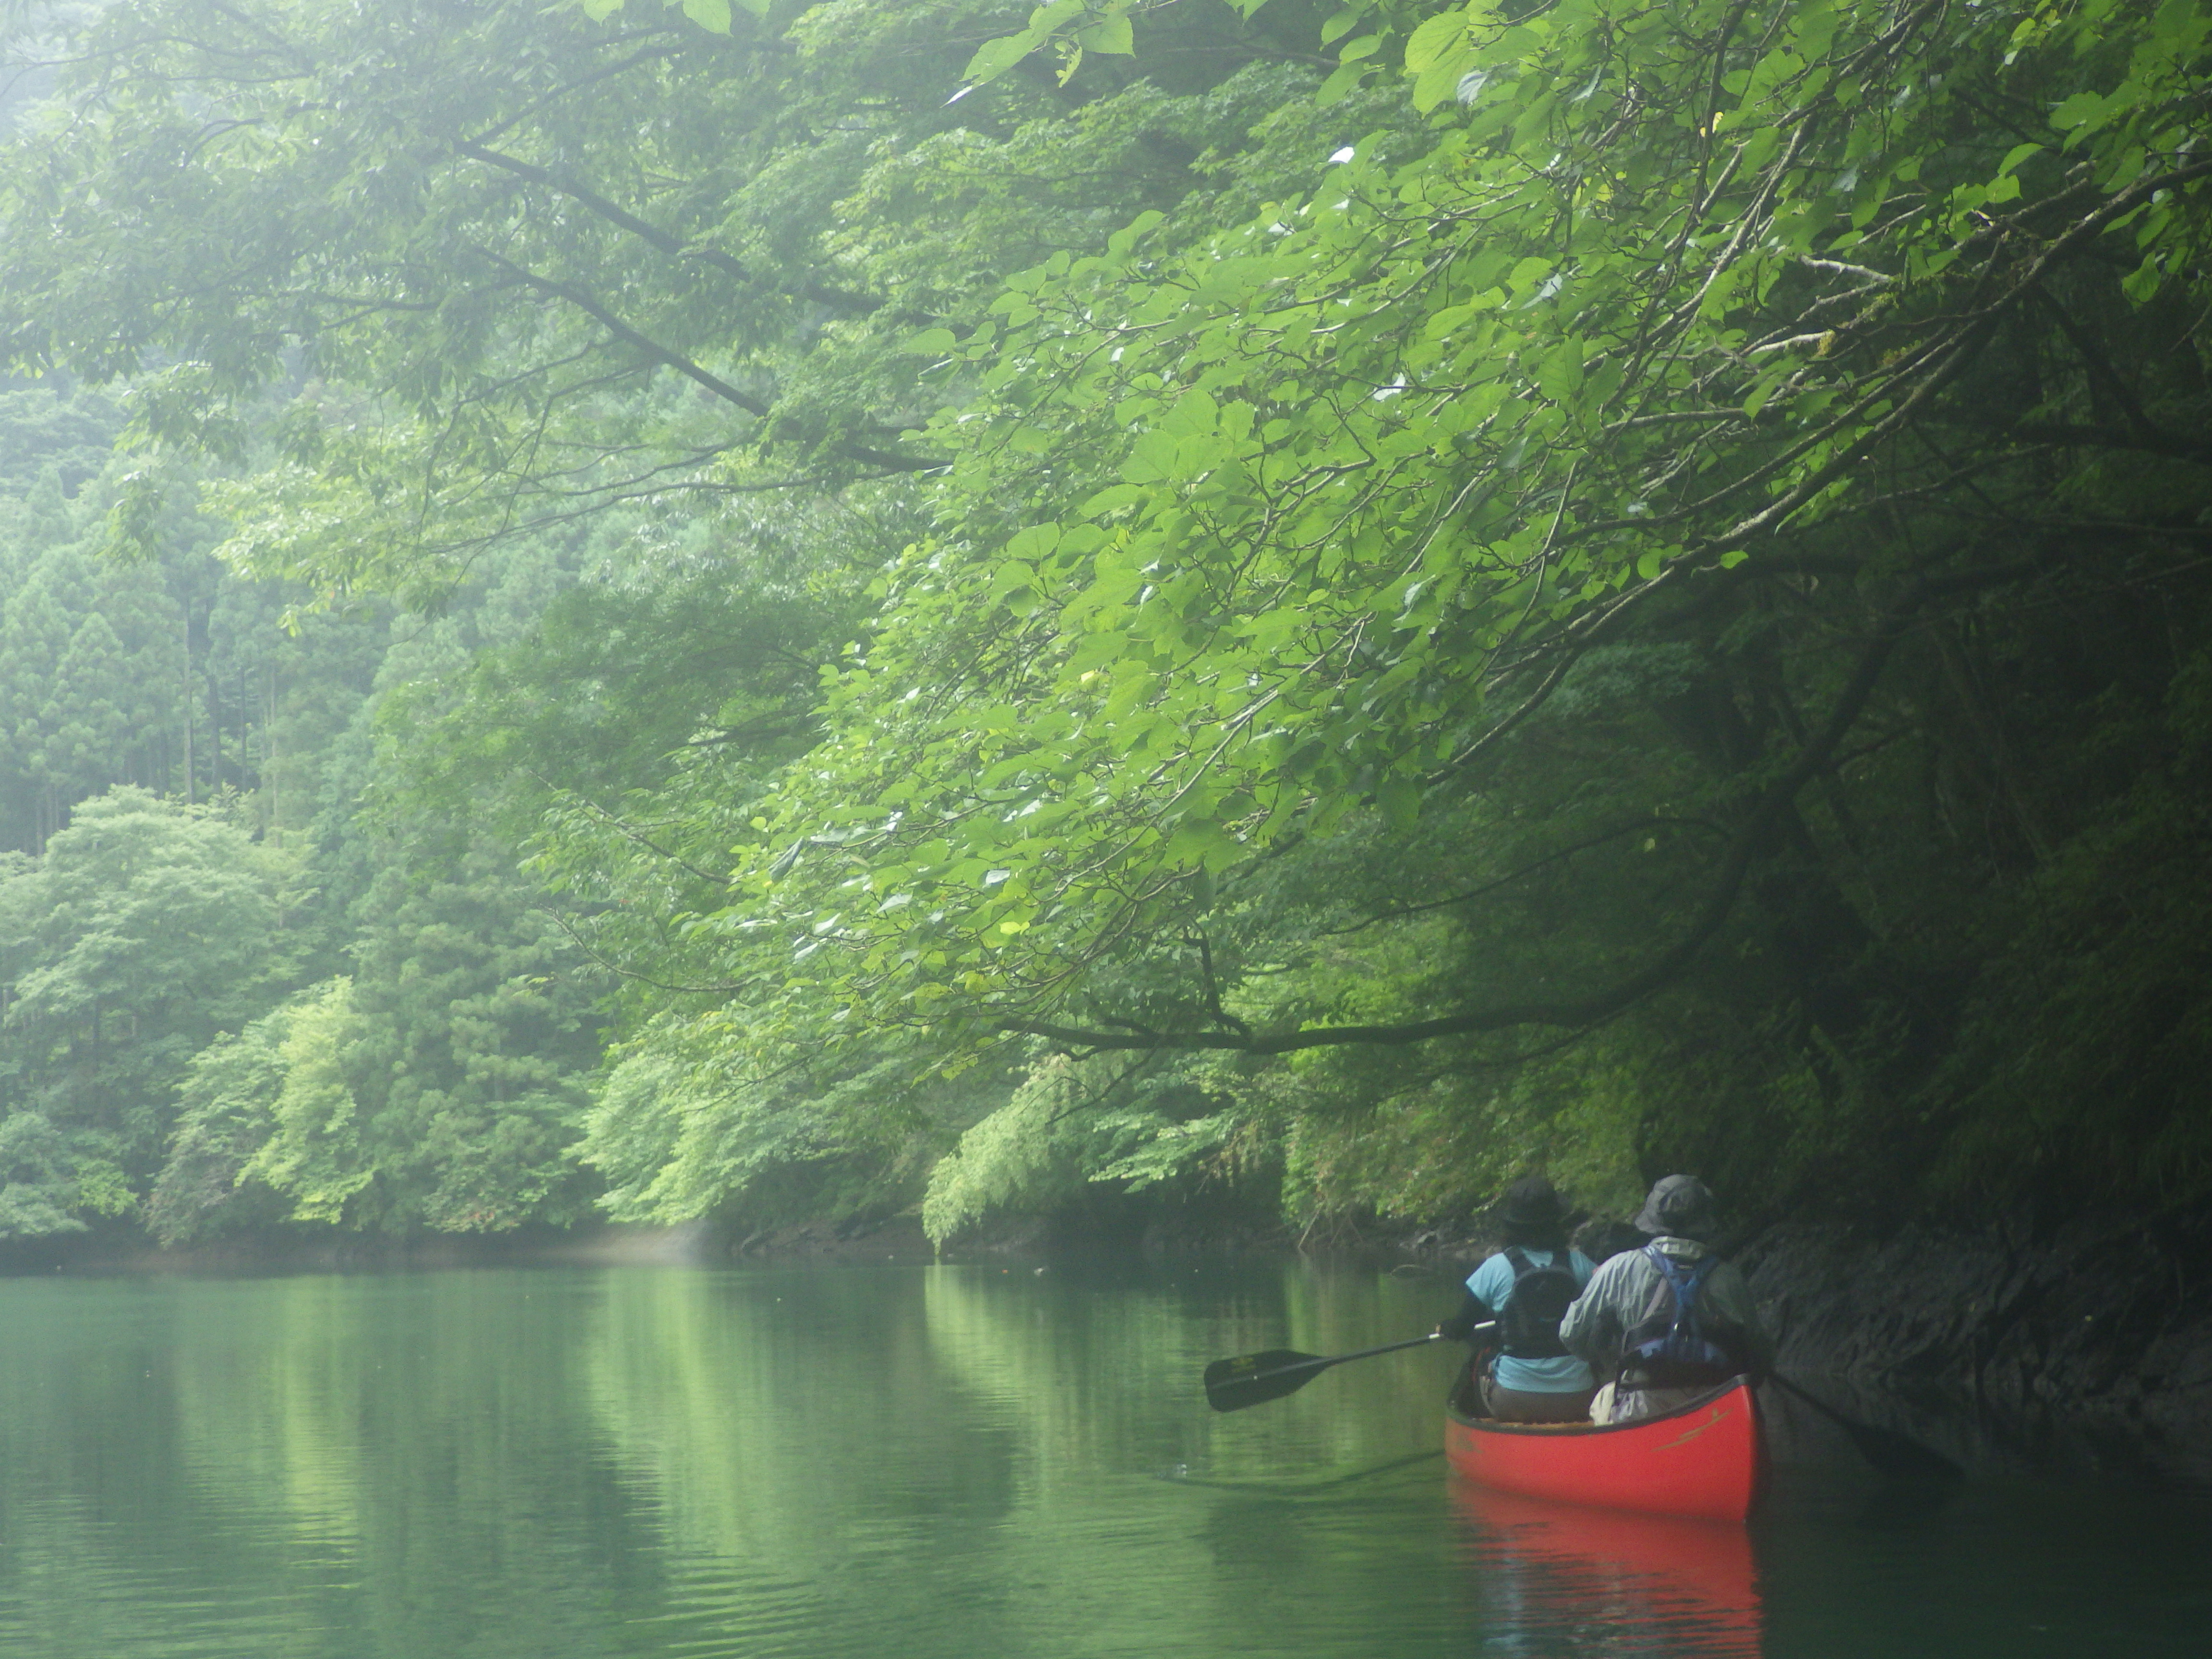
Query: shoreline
[2087, 1347]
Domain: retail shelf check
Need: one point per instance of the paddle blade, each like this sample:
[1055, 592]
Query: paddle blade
[1901, 1455]
[1893, 1454]
[1253, 1379]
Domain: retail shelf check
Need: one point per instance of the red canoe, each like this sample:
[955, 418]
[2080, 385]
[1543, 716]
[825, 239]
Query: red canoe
[1702, 1461]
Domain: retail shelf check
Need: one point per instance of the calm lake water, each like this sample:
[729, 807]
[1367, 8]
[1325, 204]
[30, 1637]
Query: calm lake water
[835, 1463]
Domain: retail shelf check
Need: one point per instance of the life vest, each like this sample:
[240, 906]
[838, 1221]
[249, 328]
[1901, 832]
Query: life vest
[1671, 1347]
[1528, 1324]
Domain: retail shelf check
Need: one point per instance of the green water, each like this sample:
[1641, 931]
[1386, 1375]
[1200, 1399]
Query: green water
[921, 1463]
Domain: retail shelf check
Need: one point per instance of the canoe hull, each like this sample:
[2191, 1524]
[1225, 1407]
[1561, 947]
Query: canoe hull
[1702, 1461]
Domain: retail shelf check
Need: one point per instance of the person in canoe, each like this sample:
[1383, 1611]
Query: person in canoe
[1672, 1320]
[1525, 1288]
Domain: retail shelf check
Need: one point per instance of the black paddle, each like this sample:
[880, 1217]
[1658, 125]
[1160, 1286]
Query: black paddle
[1253, 1379]
[1887, 1450]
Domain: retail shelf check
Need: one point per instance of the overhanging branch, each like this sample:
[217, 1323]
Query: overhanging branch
[1751, 838]
[646, 346]
[667, 242]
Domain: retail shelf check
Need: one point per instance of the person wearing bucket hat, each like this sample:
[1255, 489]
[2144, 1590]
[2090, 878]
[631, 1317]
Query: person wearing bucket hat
[1671, 1320]
[1679, 1206]
[1524, 1288]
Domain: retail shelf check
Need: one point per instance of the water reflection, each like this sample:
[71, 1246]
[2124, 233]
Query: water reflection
[938, 1463]
[1558, 1578]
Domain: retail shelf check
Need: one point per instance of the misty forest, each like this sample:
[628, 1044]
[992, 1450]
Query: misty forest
[1174, 613]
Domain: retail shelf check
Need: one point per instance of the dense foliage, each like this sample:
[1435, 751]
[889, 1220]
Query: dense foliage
[1326, 601]
[254, 998]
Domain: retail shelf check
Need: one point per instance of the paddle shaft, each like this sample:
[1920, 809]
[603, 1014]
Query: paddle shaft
[1812, 1400]
[1254, 1379]
[1321, 1362]
[1886, 1448]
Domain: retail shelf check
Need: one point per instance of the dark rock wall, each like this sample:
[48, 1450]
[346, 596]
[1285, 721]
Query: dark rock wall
[2091, 1343]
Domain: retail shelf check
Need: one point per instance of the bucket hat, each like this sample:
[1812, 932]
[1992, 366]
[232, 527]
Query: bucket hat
[1680, 1207]
[1531, 1202]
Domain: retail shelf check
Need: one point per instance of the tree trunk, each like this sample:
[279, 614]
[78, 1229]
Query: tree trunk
[189, 795]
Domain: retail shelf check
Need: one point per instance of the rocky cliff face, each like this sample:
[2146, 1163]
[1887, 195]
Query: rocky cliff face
[2089, 1344]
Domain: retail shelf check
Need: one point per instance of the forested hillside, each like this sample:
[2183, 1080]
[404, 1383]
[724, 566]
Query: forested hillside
[798, 610]
[219, 954]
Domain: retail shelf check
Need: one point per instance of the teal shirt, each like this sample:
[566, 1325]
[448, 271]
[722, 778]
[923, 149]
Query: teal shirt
[1493, 1282]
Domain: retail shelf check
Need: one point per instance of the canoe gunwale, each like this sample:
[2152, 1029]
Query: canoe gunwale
[1582, 1430]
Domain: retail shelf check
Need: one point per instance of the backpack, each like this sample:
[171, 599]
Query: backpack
[1670, 1347]
[1528, 1324]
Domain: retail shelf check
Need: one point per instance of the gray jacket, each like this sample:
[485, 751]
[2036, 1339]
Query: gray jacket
[1627, 1289]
